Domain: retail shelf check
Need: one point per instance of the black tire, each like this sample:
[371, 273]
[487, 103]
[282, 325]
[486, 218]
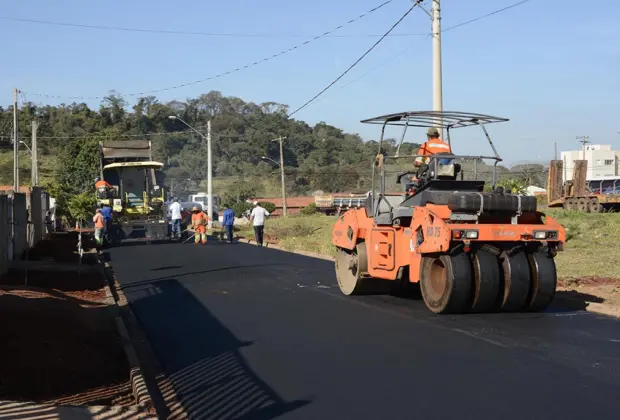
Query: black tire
[544, 281]
[582, 205]
[517, 281]
[595, 206]
[446, 283]
[487, 282]
[570, 204]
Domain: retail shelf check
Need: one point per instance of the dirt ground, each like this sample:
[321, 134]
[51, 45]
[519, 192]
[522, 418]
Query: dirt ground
[59, 338]
[595, 293]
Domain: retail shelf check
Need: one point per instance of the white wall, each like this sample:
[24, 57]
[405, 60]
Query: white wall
[602, 162]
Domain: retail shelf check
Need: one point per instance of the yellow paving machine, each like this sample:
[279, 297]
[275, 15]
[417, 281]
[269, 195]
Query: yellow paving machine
[132, 184]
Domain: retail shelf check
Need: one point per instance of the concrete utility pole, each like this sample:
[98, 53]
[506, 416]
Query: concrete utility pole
[209, 165]
[437, 75]
[35, 167]
[284, 209]
[584, 140]
[209, 176]
[15, 144]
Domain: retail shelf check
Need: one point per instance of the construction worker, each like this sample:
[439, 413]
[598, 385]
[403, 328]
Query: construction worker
[99, 227]
[257, 217]
[228, 221]
[432, 146]
[176, 215]
[199, 225]
[106, 212]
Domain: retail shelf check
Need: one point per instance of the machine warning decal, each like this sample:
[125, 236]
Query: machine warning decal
[433, 231]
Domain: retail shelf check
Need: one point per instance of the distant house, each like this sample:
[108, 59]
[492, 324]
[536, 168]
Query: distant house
[293, 204]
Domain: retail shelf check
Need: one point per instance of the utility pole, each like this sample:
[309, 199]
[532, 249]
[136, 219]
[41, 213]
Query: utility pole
[437, 75]
[284, 209]
[584, 140]
[35, 167]
[209, 177]
[15, 144]
[555, 148]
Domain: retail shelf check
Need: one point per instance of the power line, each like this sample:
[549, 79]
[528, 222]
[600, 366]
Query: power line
[193, 33]
[417, 3]
[374, 9]
[428, 35]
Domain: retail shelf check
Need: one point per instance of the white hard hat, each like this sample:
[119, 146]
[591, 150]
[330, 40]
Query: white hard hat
[255, 203]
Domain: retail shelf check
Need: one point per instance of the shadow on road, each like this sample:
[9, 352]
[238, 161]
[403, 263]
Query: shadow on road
[201, 358]
[575, 300]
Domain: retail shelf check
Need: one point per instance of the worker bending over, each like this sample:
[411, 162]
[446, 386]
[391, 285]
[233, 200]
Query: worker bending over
[199, 225]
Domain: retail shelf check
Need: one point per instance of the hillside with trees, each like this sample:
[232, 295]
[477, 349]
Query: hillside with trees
[320, 157]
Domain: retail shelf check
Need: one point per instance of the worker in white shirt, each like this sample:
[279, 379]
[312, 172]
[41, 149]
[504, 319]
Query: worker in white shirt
[175, 216]
[257, 217]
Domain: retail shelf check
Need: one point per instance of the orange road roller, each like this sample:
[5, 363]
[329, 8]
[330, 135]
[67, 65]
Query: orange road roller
[470, 248]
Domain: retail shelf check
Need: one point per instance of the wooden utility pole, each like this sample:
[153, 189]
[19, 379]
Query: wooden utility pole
[35, 166]
[15, 144]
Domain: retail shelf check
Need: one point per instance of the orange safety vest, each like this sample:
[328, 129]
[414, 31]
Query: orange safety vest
[432, 147]
[100, 184]
[98, 219]
[199, 218]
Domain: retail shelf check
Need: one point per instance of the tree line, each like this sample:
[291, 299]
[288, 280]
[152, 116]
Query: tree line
[320, 157]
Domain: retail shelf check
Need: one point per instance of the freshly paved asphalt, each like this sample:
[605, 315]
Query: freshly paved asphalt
[254, 333]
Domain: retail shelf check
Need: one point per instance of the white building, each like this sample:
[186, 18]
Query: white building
[602, 162]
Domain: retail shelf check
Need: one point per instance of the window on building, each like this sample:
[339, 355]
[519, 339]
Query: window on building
[609, 162]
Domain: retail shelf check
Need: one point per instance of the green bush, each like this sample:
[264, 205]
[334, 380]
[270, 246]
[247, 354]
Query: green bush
[309, 210]
[270, 207]
[241, 207]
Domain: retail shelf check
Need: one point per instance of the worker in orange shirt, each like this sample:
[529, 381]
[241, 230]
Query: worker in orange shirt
[99, 226]
[101, 183]
[432, 146]
[199, 225]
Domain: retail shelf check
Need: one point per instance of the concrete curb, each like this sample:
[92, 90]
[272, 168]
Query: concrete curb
[30, 410]
[592, 307]
[138, 384]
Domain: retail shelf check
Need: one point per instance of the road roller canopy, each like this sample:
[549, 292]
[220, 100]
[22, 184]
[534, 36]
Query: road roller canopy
[440, 119]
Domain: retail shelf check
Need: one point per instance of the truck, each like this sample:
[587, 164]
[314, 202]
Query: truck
[578, 194]
[203, 199]
[334, 203]
[134, 190]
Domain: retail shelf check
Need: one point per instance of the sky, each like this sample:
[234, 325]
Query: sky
[551, 66]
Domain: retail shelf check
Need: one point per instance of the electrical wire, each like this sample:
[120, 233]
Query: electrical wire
[416, 4]
[428, 36]
[193, 33]
[254, 64]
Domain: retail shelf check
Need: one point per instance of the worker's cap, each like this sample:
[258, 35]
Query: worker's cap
[98, 210]
[195, 208]
[96, 179]
[433, 132]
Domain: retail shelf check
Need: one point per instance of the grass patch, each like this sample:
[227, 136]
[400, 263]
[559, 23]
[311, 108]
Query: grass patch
[298, 233]
[591, 249]
[47, 164]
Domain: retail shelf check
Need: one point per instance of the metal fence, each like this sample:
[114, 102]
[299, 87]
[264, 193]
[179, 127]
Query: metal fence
[22, 223]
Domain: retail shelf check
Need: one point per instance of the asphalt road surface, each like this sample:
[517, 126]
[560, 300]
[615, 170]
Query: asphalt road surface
[253, 333]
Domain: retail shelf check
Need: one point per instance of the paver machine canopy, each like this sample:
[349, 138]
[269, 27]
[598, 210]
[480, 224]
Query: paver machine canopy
[136, 191]
[468, 248]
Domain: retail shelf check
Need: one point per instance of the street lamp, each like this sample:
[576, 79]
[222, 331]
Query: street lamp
[271, 160]
[27, 147]
[281, 165]
[209, 166]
